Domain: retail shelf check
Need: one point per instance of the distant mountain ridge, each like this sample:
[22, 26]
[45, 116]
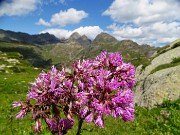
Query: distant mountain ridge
[24, 38]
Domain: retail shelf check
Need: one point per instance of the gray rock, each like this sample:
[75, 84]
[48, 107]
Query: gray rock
[153, 89]
[157, 87]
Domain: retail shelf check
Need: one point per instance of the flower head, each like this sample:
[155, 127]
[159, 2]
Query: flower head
[94, 88]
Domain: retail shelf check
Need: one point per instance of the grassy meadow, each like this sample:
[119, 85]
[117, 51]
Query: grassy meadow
[163, 120]
[15, 75]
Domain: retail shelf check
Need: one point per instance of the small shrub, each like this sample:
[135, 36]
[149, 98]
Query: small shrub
[175, 45]
[176, 60]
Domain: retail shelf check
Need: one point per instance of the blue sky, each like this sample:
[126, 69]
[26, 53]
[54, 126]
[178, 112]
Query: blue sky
[154, 22]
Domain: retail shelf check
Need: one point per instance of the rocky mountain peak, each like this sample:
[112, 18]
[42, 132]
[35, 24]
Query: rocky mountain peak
[74, 36]
[104, 38]
[84, 37]
[128, 42]
[82, 40]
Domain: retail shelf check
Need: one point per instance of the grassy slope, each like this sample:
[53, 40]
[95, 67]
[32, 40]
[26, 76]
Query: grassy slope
[13, 86]
[61, 53]
[31, 53]
[131, 53]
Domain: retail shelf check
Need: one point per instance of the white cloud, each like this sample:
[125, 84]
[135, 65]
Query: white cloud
[143, 11]
[90, 31]
[43, 22]
[125, 31]
[157, 33]
[18, 7]
[59, 33]
[70, 16]
[63, 18]
[145, 21]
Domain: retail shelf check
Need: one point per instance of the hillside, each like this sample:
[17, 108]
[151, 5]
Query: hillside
[32, 54]
[62, 53]
[104, 38]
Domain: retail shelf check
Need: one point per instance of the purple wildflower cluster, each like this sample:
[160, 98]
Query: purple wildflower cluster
[95, 88]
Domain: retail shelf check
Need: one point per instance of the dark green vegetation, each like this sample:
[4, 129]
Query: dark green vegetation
[61, 54]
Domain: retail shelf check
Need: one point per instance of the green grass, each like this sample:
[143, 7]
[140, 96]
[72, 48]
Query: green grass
[14, 87]
[154, 121]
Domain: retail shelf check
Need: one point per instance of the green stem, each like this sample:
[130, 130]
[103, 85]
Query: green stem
[80, 122]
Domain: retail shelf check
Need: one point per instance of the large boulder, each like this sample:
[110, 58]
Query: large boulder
[153, 88]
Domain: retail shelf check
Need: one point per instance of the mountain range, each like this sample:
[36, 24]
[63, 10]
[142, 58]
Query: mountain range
[64, 51]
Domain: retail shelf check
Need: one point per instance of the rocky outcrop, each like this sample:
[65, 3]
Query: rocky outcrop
[153, 88]
[157, 87]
